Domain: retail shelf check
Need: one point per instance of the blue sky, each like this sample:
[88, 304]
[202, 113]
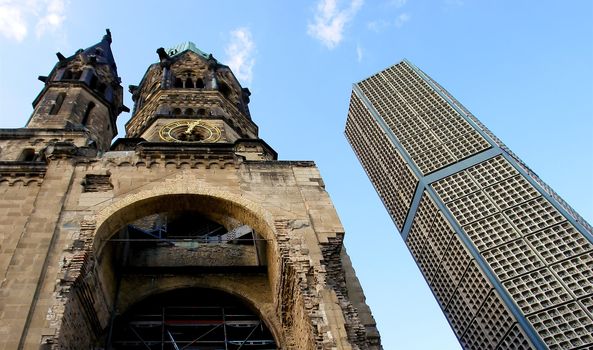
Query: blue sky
[524, 68]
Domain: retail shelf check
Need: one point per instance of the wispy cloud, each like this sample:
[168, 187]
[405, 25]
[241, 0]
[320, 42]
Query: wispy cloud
[397, 3]
[52, 19]
[240, 51]
[378, 25]
[381, 25]
[359, 53]
[330, 21]
[402, 19]
[17, 16]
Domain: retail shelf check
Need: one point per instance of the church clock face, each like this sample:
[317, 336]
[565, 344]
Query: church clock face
[190, 131]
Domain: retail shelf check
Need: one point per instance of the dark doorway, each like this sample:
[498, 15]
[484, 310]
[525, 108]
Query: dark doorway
[191, 319]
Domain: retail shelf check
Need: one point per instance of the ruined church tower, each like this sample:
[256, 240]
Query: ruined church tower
[186, 233]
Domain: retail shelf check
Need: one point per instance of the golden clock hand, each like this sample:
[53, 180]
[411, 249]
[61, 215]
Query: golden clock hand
[190, 128]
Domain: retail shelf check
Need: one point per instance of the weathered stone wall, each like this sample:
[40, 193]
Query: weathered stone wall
[205, 254]
[77, 100]
[75, 286]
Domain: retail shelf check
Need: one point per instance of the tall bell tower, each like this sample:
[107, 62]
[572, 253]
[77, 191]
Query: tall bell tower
[191, 98]
[186, 233]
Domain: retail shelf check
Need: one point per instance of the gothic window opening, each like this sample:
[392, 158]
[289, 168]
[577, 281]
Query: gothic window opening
[189, 111]
[101, 87]
[71, 75]
[176, 111]
[178, 83]
[93, 82]
[200, 84]
[201, 111]
[195, 318]
[87, 113]
[58, 103]
[189, 84]
[225, 90]
[27, 155]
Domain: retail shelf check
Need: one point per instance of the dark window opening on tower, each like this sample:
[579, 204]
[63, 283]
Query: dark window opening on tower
[193, 318]
[93, 82]
[58, 103]
[200, 84]
[101, 88]
[27, 155]
[189, 111]
[189, 84]
[176, 111]
[71, 75]
[178, 83]
[201, 111]
[224, 90]
[87, 113]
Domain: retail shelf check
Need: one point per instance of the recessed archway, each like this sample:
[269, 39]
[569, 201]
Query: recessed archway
[191, 318]
[226, 209]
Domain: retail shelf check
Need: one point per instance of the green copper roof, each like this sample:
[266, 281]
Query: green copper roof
[188, 45]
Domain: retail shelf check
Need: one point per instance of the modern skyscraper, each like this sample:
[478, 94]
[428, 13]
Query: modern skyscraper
[509, 262]
[188, 233]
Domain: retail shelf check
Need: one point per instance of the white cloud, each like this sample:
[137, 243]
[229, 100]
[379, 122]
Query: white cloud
[402, 19]
[398, 3]
[240, 51]
[378, 25]
[52, 19]
[381, 25]
[12, 24]
[330, 21]
[17, 16]
[359, 53]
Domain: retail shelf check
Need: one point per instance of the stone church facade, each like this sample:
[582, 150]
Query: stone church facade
[191, 215]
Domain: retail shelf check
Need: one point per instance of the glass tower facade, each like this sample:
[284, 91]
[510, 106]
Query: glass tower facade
[509, 262]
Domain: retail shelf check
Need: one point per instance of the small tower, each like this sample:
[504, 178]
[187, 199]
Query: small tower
[190, 97]
[82, 92]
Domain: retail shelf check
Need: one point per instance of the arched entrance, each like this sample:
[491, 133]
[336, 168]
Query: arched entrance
[192, 319]
[119, 267]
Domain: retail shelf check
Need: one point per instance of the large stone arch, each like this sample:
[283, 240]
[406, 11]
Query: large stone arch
[128, 208]
[94, 275]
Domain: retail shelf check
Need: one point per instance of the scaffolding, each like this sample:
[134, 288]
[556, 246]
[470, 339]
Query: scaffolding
[202, 324]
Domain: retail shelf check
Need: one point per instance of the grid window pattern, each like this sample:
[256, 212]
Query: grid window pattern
[490, 325]
[459, 314]
[564, 327]
[512, 259]
[433, 246]
[534, 215]
[491, 232]
[543, 262]
[515, 340]
[511, 192]
[455, 186]
[536, 291]
[468, 298]
[431, 131]
[456, 260]
[389, 173]
[492, 171]
[587, 302]
[577, 274]
[471, 208]
[440, 235]
[559, 242]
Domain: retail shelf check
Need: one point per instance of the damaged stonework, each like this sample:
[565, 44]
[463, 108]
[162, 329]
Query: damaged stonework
[80, 311]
